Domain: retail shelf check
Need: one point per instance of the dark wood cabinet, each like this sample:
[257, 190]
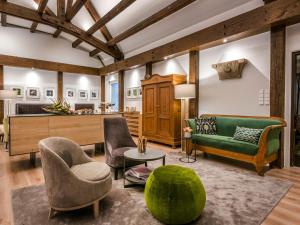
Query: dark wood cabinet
[161, 111]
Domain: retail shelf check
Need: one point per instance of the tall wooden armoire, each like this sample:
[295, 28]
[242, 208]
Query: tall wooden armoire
[161, 111]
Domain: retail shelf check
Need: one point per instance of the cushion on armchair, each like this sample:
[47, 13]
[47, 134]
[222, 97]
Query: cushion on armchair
[92, 171]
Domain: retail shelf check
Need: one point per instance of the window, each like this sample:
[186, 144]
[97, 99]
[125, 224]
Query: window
[114, 95]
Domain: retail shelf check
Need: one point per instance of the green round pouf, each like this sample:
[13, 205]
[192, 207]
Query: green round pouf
[175, 194]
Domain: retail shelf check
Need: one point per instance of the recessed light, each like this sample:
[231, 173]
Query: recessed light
[165, 58]
[225, 40]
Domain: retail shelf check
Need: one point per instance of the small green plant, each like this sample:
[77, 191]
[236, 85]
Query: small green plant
[58, 107]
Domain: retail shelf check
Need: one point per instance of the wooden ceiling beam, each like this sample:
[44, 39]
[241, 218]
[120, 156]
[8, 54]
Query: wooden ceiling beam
[105, 32]
[61, 9]
[3, 17]
[14, 61]
[29, 14]
[120, 7]
[41, 8]
[247, 24]
[163, 13]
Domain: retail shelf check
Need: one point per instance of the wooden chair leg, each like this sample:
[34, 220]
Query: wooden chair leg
[116, 173]
[51, 213]
[96, 209]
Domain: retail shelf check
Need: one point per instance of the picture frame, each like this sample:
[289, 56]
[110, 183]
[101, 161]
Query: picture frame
[94, 94]
[19, 90]
[83, 94]
[140, 92]
[49, 92]
[129, 93]
[70, 93]
[33, 93]
[135, 92]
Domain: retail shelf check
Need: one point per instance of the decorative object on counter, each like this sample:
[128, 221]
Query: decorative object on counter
[106, 106]
[187, 132]
[84, 111]
[19, 90]
[130, 109]
[230, 70]
[94, 95]
[83, 94]
[142, 145]
[33, 93]
[58, 107]
[70, 93]
[49, 92]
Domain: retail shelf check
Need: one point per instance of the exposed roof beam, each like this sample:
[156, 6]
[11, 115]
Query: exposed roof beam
[247, 24]
[69, 6]
[46, 65]
[71, 13]
[170, 9]
[61, 9]
[95, 15]
[40, 10]
[3, 17]
[120, 7]
[29, 14]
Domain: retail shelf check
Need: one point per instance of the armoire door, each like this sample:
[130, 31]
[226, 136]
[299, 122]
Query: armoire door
[149, 110]
[164, 100]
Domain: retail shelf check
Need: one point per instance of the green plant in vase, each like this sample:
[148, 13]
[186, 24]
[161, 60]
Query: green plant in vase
[58, 107]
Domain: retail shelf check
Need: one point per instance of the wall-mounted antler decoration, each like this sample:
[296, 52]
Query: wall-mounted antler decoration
[231, 69]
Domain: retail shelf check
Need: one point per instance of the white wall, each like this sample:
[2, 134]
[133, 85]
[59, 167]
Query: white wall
[22, 43]
[292, 45]
[236, 96]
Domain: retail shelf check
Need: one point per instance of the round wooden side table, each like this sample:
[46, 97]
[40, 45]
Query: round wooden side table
[188, 158]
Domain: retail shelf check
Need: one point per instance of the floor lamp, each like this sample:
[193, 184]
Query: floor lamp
[184, 92]
[8, 95]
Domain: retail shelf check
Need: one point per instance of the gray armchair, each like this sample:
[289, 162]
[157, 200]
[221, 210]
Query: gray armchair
[117, 140]
[73, 180]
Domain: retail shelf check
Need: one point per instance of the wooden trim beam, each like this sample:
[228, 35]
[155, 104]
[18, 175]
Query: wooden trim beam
[120, 7]
[121, 90]
[247, 24]
[75, 9]
[3, 17]
[60, 85]
[277, 80]
[194, 57]
[40, 10]
[61, 9]
[1, 88]
[163, 13]
[29, 14]
[46, 65]
[102, 88]
[107, 35]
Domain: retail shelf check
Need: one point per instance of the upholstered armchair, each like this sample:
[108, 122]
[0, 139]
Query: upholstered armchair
[117, 140]
[73, 180]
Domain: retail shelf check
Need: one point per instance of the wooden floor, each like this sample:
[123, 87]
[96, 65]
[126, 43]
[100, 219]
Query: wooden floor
[16, 172]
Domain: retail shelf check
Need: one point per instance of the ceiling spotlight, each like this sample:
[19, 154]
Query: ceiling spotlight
[165, 58]
[225, 40]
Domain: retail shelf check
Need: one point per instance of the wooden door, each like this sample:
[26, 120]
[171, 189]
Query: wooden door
[149, 110]
[164, 99]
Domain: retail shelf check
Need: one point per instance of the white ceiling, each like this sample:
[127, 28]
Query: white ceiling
[194, 13]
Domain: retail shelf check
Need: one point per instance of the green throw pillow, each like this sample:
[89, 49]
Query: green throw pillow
[206, 125]
[245, 134]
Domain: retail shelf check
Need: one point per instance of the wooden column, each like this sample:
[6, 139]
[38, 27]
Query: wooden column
[60, 84]
[102, 85]
[1, 88]
[277, 79]
[194, 79]
[121, 90]
[149, 68]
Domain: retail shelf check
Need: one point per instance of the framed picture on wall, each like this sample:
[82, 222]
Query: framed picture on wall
[83, 94]
[33, 93]
[129, 93]
[49, 92]
[94, 95]
[19, 90]
[135, 92]
[140, 92]
[70, 93]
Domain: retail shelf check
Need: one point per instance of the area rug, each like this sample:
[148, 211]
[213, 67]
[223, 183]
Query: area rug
[235, 195]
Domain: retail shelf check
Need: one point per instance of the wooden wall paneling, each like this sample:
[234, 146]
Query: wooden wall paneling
[253, 22]
[60, 85]
[194, 79]
[121, 90]
[46, 65]
[1, 88]
[277, 79]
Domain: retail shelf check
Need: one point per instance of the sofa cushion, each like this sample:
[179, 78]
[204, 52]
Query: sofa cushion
[92, 171]
[206, 125]
[225, 143]
[246, 134]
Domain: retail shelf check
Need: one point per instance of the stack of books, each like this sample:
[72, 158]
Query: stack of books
[141, 173]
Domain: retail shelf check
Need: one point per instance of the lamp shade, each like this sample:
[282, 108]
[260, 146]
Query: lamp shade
[184, 91]
[8, 94]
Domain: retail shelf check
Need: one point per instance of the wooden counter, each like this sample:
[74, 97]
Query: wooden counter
[26, 131]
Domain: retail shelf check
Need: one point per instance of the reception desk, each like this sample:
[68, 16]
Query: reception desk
[27, 130]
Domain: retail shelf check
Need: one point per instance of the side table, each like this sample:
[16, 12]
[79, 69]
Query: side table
[188, 158]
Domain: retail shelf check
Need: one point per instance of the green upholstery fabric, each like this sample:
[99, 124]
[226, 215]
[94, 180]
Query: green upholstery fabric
[226, 126]
[175, 194]
[5, 129]
[225, 143]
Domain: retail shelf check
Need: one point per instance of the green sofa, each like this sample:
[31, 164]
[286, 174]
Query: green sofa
[223, 144]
